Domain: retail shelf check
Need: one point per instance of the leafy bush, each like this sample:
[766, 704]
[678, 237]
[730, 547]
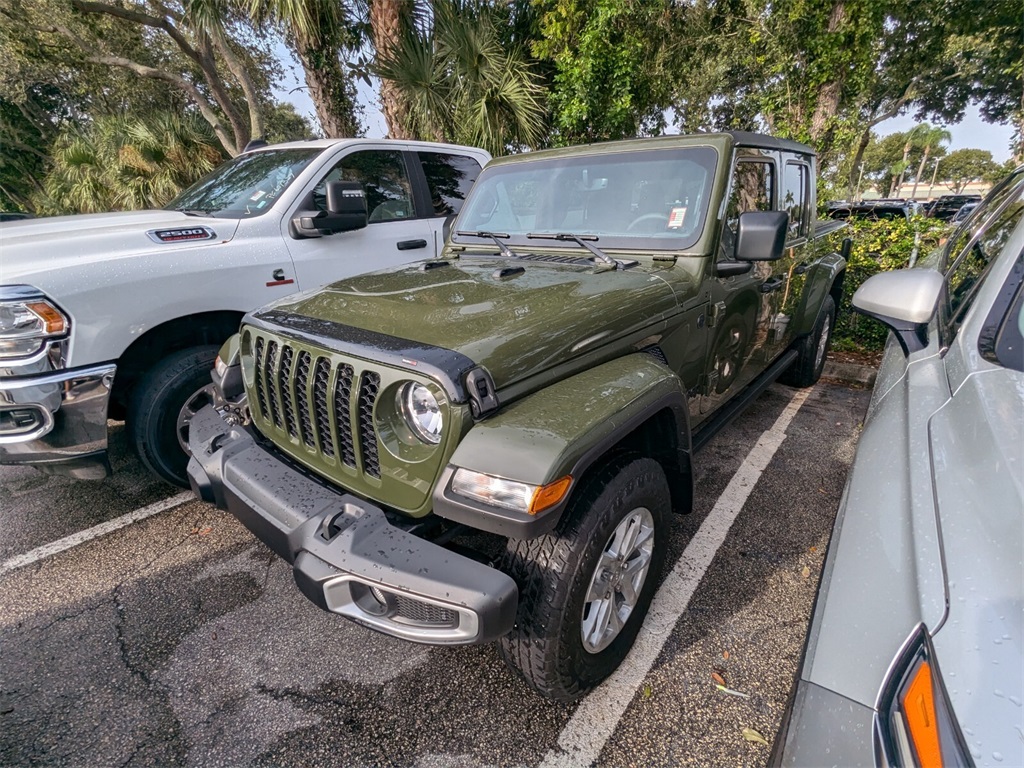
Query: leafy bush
[879, 246]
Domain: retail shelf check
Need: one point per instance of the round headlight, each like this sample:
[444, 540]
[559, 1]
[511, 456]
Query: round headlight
[421, 411]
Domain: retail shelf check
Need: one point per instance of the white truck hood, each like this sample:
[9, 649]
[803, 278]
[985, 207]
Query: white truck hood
[34, 246]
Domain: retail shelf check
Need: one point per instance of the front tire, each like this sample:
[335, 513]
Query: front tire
[812, 349]
[585, 588]
[154, 415]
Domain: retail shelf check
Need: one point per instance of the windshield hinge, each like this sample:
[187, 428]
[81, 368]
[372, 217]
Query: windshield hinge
[715, 313]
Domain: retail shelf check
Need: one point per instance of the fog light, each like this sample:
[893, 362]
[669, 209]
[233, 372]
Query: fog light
[370, 600]
[21, 421]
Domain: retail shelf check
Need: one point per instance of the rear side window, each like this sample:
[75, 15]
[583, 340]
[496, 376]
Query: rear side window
[794, 198]
[449, 178]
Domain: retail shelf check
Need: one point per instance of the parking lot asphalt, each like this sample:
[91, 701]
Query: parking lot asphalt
[178, 639]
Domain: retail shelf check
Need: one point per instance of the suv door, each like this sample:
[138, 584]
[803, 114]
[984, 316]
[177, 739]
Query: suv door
[398, 230]
[740, 312]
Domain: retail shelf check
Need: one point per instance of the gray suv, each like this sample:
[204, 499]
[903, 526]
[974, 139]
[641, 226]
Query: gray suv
[916, 649]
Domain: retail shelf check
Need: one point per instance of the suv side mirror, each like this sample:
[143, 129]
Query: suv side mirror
[903, 300]
[761, 235]
[346, 211]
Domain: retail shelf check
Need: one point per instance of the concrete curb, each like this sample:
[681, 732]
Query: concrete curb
[851, 373]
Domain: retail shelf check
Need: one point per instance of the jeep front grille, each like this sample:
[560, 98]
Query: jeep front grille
[309, 397]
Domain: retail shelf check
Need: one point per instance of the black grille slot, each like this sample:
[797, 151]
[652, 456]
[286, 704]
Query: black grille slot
[287, 355]
[261, 390]
[368, 387]
[342, 415]
[321, 380]
[302, 395]
[273, 383]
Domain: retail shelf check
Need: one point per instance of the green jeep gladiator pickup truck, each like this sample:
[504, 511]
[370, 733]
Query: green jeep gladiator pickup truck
[597, 314]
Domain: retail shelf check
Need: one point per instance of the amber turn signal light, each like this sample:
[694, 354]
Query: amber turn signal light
[53, 321]
[548, 495]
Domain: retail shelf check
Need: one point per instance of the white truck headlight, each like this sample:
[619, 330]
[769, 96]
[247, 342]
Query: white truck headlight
[421, 412]
[26, 322]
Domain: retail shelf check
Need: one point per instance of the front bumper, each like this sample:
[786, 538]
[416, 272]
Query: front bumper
[347, 557]
[57, 421]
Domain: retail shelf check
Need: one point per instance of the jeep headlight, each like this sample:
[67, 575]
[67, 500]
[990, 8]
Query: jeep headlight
[27, 320]
[421, 412]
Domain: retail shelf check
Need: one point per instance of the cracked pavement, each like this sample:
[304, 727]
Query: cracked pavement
[181, 640]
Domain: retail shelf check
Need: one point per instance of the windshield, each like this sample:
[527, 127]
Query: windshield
[246, 186]
[649, 199]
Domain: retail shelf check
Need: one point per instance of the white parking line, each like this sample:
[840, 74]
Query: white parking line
[592, 724]
[51, 549]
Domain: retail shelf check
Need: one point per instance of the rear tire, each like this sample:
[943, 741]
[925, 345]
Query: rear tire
[156, 404]
[585, 588]
[812, 349]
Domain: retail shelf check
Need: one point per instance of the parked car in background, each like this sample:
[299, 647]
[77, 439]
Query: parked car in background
[872, 210]
[946, 207]
[915, 652]
[963, 213]
[120, 315]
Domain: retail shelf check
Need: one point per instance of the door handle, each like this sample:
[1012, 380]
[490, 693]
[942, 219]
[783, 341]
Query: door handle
[772, 285]
[800, 268]
[411, 245]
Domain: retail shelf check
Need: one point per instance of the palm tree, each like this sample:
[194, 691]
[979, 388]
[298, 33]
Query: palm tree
[125, 163]
[460, 84]
[318, 31]
[390, 21]
[933, 137]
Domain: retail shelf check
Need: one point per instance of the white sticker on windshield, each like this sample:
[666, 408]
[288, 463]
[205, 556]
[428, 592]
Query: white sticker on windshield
[676, 218]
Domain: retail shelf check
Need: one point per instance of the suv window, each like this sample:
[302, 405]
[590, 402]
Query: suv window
[794, 198]
[449, 178]
[993, 202]
[382, 174]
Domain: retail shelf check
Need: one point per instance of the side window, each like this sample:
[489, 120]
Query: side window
[1003, 191]
[966, 274]
[794, 198]
[382, 173]
[449, 178]
[753, 189]
[753, 184]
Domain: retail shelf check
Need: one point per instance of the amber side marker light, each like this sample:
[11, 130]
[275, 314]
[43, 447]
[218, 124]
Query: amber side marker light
[53, 321]
[548, 495]
[919, 711]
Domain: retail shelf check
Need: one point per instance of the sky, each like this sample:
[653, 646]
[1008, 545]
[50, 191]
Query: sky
[972, 132]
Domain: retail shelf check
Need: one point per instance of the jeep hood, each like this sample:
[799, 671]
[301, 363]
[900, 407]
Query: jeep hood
[32, 246]
[515, 325]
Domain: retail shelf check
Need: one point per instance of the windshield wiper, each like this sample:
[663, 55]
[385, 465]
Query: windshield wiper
[581, 240]
[495, 236]
[194, 211]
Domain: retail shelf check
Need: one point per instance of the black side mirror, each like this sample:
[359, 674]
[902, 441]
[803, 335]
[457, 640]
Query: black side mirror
[761, 235]
[346, 205]
[346, 211]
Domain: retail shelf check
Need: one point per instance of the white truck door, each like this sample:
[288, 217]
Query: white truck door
[394, 235]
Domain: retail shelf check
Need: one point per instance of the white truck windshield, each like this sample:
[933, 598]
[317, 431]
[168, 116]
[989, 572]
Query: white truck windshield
[246, 186]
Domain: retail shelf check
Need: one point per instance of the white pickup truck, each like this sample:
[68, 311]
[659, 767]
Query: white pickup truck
[121, 315]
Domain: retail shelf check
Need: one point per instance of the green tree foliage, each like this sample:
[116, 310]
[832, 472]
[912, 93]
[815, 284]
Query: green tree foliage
[880, 246]
[459, 83]
[122, 163]
[963, 166]
[608, 64]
